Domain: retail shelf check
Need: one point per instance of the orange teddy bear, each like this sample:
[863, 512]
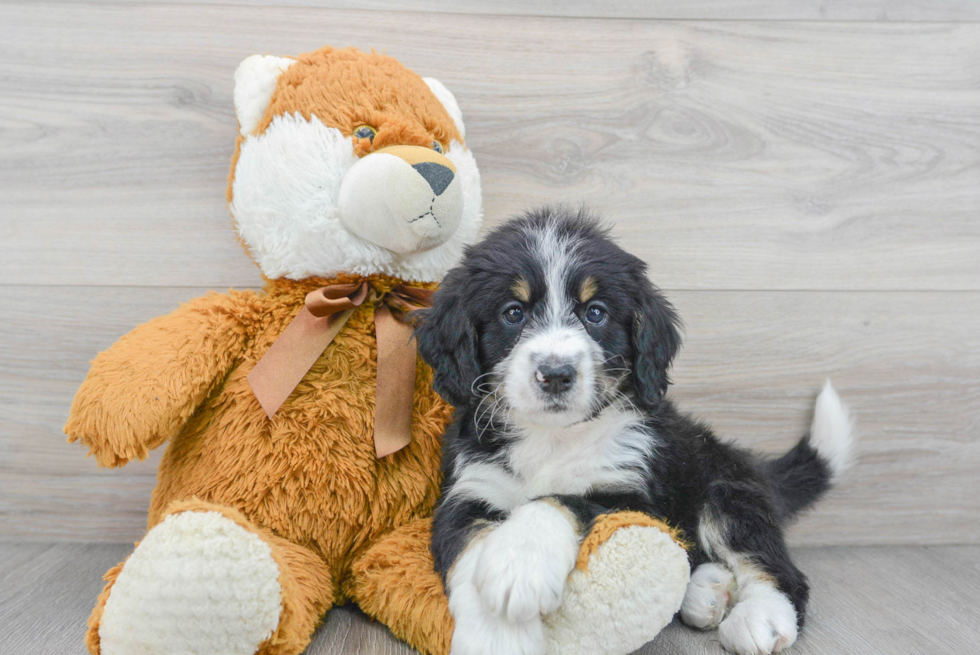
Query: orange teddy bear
[285, 488]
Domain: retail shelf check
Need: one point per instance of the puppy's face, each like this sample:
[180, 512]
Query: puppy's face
[560, 341]
[552, 322]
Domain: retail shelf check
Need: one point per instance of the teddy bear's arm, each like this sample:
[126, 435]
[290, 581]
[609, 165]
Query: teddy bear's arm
[140, 392]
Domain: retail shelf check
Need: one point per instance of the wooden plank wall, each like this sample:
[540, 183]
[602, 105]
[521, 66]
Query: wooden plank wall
[802, 176]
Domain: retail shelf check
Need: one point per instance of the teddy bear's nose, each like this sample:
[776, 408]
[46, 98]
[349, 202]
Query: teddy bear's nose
[437, 175]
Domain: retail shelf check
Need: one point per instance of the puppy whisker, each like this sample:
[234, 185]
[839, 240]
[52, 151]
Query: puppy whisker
[474, 387]
[490, 409]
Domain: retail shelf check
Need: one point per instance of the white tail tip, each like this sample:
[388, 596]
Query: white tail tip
[832, 432]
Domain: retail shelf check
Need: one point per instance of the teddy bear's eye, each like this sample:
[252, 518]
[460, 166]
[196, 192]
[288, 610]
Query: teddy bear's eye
[437, 147]
[365, 132]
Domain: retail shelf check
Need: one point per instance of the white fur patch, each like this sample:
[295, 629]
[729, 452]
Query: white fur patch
[607, 453]
[255, 82]
[708, 596]
[198, 584]
[489, 482]
[634, 584]
[711, 535]
[763, 621]
[285, 205]
[832, 431]
[448, 101]
[556, 254]
[524, 562]
[477, 631]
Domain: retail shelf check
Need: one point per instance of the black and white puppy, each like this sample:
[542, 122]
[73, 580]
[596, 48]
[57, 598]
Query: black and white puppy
[555, 349]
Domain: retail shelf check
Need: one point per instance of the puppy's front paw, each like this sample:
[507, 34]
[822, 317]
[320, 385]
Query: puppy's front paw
[518, 580]
[477, 631]
[522, 569]
[707, 597]
[762, 623]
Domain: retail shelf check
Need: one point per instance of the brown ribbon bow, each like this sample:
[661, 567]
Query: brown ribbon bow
[326, 311]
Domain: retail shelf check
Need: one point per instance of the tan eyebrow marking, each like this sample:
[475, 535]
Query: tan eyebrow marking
[521, 290]
[589, 289]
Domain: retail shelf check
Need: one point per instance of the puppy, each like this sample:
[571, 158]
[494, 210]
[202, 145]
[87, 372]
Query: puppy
[555, 349]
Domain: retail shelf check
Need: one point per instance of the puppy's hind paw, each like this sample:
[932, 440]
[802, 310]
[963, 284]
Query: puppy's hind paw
[761, 624]
[708, 596]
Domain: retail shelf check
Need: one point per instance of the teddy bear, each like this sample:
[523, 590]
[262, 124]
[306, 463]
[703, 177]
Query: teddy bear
[303, 456]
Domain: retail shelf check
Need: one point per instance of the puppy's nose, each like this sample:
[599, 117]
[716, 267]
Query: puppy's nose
[555, 379]
[437, 175]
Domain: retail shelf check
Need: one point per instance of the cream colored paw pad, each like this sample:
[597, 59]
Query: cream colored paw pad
[198, 584]
[634, 585]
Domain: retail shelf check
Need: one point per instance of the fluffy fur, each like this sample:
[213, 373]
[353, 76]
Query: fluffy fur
[231, 610]
[339, 523]
[320, 489]
[305, 486]
[555, 348]
[642, 557]
[287, 171]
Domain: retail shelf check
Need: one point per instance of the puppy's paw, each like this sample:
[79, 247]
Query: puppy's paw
[708, 596]
[477, 631]
[485, 634]
[522, 569]
[762, 622]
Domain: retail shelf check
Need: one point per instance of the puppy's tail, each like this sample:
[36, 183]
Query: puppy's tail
[810, 468]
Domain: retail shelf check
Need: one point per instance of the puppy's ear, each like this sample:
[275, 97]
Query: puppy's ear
[656, 339]
[448, 341]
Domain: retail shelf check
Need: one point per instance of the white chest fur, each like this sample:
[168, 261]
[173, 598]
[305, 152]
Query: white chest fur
[606, 453]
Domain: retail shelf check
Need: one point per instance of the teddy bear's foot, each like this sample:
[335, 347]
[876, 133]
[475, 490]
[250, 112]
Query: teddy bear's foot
[197, 583]
[206, 583]
[628, 583]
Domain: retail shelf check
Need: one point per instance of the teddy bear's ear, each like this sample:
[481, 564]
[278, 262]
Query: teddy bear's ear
[448, 101]
[255, 80]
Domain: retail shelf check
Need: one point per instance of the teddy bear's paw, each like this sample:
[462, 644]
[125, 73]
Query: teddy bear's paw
[629, 590]
[763, 621]
[708, 596]
[525, 561]
[477, 631]
[197, 584]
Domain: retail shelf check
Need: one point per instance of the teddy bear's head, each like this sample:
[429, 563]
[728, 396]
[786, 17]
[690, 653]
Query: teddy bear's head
[348, 162]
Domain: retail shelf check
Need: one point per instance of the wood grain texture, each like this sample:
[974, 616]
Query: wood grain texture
[907, 363]
[822, 10]
[896, 600]
[900, 601]
[808, 192]
[735, 155]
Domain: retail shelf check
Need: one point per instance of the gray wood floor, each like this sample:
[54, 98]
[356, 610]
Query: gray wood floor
[898, 600]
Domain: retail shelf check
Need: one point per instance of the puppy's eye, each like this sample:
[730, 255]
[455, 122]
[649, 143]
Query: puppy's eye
[514, 315]
[365, 132]
[595, 315]
[437, 147]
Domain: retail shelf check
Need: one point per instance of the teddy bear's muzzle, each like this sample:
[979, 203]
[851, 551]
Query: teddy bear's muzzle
[403, 198]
